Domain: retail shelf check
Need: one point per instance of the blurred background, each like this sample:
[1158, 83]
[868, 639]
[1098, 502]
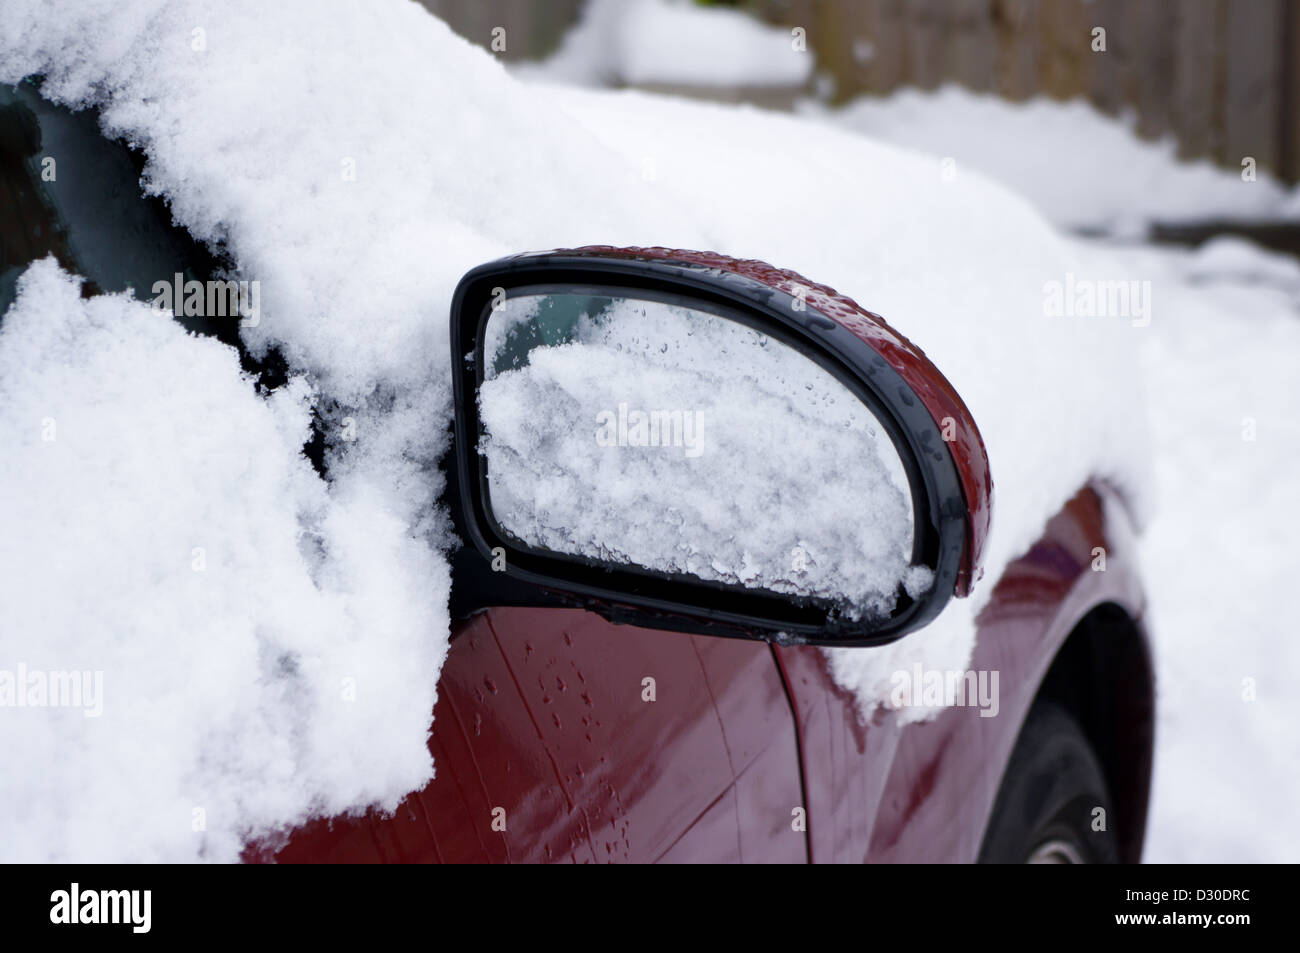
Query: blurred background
[1221, 77]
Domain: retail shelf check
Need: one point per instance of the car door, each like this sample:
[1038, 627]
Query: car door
[560, 737]
[67, 191]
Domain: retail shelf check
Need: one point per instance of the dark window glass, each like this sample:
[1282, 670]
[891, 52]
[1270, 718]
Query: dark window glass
[66, 190]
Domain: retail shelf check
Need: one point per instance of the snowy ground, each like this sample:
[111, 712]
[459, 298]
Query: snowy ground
[1220, 557]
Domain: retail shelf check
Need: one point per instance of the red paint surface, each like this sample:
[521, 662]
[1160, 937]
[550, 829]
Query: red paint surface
[541, 713]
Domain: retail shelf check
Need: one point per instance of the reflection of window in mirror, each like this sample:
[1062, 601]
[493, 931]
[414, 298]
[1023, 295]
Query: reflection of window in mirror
[541, 320]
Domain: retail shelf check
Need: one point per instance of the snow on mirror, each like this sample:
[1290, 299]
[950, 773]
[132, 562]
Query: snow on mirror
[640, 433]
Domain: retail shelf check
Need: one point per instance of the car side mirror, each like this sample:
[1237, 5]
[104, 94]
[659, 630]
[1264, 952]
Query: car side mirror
[687, 441]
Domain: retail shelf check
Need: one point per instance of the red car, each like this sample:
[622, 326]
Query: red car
[601, 703]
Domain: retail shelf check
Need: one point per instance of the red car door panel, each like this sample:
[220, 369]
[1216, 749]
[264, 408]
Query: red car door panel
[546, 725]
[758, 729]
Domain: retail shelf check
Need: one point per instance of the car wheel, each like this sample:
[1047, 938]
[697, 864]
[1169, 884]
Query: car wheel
[1047, 806]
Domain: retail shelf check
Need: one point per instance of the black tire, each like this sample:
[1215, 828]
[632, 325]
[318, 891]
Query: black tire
[1053, 784]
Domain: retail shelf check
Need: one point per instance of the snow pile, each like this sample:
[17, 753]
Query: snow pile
[358, 161]
[1084, 170]
[673, 42]
[643, 433]
[1227, 260]
[244, 635]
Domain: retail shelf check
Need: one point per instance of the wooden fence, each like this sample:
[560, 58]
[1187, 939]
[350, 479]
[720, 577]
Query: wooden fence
[1222, 76]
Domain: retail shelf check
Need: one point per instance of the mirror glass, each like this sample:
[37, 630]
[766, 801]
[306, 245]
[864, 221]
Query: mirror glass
[653, 434]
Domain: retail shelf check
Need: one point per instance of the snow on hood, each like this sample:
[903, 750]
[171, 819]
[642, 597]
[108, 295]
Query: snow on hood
[356, 159]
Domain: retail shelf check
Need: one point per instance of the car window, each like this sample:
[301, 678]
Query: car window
[68, 191]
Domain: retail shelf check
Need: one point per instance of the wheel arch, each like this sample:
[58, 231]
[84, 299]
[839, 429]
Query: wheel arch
[1103, 676]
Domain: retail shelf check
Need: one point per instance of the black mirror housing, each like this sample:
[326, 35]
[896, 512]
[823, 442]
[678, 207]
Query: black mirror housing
[951, 490]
